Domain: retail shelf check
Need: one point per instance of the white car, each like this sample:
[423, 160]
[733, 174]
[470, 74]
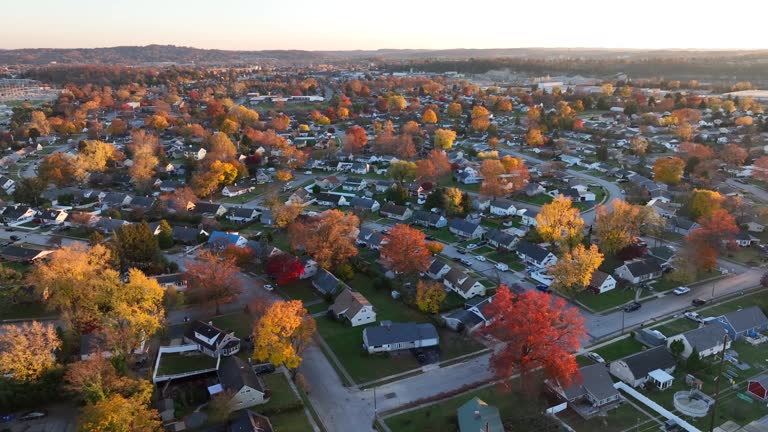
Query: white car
[308, 172]
[681, 290]
[693, 316]
[480, 258]
[502, 266]
[269, 287]
[472, 246]
[595, 357]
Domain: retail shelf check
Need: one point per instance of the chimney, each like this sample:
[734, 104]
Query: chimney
[210, 323]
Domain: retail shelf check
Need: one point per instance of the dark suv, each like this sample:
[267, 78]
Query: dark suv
[631, 307]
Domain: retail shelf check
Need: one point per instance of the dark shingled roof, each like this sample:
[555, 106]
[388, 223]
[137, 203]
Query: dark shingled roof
[534, 251]
[235, 373]
[399, 332]
[746, 319]
[649, 360]
[595, 380]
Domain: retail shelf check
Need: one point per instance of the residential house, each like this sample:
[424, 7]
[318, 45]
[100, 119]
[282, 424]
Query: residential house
[365, 204]
[238, 377]
[310, 267]
[242, 215]
[437, 269]
[249, 421]
[390, 336]
[707, 340]
[384, 185]
[476, 314]
[500, 239]
[116, 200]
[18, 214]
[144, 204]
[579, 195]
[755, 227]
[187, 236]
[395, 211]
[528, 217]
[681, 225]
[353, 307]
[326, 282]
[109, 225]
[662, 208]
[601, 282]
[652, 365]
[429, 219]
[354, 184]
[536, 255]
[639, 270]
[591, 394]
[465, 229]
[502, 207]
[745, 239]
[209, 209]
[262, 177]
[469, 176]
[267, 217]
[7, 184]
[221, 239]
[198, 154]
[300, 197]
[22, 254]
[211, 340]
[235, 190]
[533, 189]
[328, 183]
[477, 416]
[331, 200]
[664, 254]
[53, 217]
[570, 160]
[171, 185]
[462, 284]
[177, 281]
[745, 322]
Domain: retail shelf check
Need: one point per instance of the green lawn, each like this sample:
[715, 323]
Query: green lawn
[20, 267]
[290, 422]
[346, 342]
[281, 393]
[440, 234]
[24, 310]
[622, 418]
[475, 187]
[677, 326]
[441, 417]
[300, 289]
[665, 283]
[508, 258]
[175, 363]
[241, 323]
[748, 255]
[539, 199]
[611, 299]
[756, 299]
[620, 349]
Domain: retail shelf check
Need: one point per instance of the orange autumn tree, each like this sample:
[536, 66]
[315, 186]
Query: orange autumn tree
[439, 159]
[429, 116]
[480, 118]
[329, 238]
[538, 331]
[760, 170]
[429, 296]
[668, 170]
[213, 279]
[717, 230]
[356, 138]
[282, 334]
[444, 139]
[406, 250]
[561, 223]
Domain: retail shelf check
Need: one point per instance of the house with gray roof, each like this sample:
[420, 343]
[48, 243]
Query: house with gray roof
[592, 393]
[366, 204]
[437, 269]
[500, 239]
[239, 378]
[655, 365]
[534, 254]
[743, 322]
[394, 211]
[211, 340]
[478, 416]
[429, 219]
[462, 284]
[465, 229]
[325, 282]
[639, 270]
[707, 340]
[391, 336]
[353, 307]
[242, 215]
[249, 421]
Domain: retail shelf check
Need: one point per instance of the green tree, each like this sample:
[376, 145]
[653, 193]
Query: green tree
[137, 246]
[28, 191]
[165, 238]
[694, 362]
[676, 348]
[397, 194]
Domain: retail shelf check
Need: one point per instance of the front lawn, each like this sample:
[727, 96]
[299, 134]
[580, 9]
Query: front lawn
[623, 418]
[619, 349]
[675, 327]
[176, 363]
[442, 234]
[281, 393]
[756, 299]
[290, 415]
[24, 310]
[300, 289]
[239, 322]
[507, 258]
[539, 199]
[608, 300]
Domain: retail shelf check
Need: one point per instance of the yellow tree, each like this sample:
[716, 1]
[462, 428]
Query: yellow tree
[282, 333]
[429, 116]
[573, 271]
[534, 137]
[27, 350]
[144, 159]
[618, 228]
[96, 379]
[480, 118]
[283, 175]
[444, 138]
[284, 214]
[454, 110]
[668, 170]
[559, 222]
[493, 183]
[119, 414]
[429, 296]
[704, 202]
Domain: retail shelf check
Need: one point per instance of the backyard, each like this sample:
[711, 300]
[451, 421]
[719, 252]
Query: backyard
[177, 363]
[619, 349]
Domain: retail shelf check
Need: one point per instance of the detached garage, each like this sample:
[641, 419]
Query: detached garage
[758, 387]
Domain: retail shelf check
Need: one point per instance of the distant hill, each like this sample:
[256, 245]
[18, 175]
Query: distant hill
[132, 55]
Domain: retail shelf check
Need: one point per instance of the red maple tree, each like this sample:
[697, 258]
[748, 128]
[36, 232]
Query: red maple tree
[536, 330]
[284, 268]
[406, 250]
[716, 231]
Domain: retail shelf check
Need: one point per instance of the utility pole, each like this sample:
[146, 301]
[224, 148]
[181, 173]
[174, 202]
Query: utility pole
[622, 322]
[717, 384]
[375, 410]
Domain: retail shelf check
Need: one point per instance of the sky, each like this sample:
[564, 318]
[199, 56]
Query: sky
[348, 25]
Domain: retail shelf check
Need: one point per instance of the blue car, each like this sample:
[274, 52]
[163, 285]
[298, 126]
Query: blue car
[543, 288]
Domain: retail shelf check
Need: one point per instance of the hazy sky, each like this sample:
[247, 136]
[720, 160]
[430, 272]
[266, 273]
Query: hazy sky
[337, 25]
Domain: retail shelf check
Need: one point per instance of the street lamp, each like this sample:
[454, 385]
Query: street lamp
[713, 287]
[622, 321]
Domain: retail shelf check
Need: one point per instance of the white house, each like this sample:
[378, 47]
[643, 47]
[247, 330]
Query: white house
[655, 365]
[503, 207]
[233, 190]
[239, 378]
[391, 336]
[462, 284]
[354, 307]
[534, 254]
[708, 340]
[211, 340]
[601, 282]
[395, 211]
[639, 270]
[197, 155]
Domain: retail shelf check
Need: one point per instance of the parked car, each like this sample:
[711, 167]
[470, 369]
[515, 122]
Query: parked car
[480, 258]
[471, 246]
[681, 290]
[698, 302]
[269, 287]
[502, 267]
[693, 316]
[461, 251]
[457, 259]
[507, 223]
[543, 288]
[595, 357]
[466, 262]
[15, 238]
[308, 172]
[33, 415]
[631, 307]
[264, 368]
